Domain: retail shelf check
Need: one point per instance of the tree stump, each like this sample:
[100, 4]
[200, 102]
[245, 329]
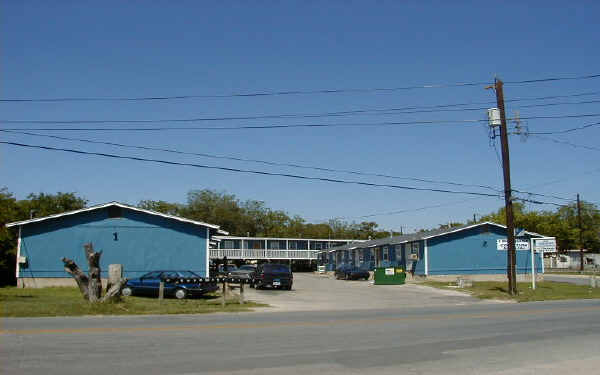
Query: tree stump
[91, 285]
[95, 282]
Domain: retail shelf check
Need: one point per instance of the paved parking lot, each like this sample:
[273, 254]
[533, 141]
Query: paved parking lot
[312, 292]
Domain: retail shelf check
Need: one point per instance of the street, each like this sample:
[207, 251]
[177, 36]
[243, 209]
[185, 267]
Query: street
[532, 338]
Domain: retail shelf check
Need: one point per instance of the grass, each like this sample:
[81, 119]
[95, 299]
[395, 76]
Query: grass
[545, 291]
[67, 301]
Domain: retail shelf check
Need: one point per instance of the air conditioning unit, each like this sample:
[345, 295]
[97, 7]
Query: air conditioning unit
[413, 257]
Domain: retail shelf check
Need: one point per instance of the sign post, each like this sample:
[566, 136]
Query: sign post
[544, 245]
[533, 265]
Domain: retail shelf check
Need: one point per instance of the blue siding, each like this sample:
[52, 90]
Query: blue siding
[419, 265]
[472, 252]
[144, 243]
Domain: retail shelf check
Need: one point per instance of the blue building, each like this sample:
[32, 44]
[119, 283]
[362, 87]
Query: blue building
[140, 240]
[467, 250]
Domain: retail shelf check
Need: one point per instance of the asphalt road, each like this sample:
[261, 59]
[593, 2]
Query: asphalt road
[532, 338]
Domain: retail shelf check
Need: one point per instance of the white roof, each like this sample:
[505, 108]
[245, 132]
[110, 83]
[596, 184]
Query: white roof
[184, 220]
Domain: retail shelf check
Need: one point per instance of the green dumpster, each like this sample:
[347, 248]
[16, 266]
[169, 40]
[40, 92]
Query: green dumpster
[389, 276]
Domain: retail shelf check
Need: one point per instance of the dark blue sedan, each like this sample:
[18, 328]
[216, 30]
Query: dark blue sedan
[350, 272]
[179, 284]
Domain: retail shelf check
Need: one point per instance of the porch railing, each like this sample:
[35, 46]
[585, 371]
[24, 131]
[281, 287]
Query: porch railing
[263, 254]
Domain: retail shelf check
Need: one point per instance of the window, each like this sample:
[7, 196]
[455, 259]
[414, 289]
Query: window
[386, 253]
[114, 212]
[415, 247]
[276, 268]
[227, 244]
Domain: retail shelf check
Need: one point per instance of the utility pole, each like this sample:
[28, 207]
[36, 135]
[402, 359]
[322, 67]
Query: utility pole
[580, 234]
[510, 225]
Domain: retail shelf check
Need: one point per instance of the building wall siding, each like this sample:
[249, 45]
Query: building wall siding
[473, 251]
[143, 243]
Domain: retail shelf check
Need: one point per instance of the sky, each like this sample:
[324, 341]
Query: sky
[85, 49]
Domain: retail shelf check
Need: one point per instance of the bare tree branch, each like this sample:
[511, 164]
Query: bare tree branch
[81, 278]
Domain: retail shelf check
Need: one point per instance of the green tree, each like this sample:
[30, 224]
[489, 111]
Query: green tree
[36, 205]
[161, 206]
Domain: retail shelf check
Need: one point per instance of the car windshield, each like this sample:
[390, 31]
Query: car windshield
[247, 268]
[276, 268]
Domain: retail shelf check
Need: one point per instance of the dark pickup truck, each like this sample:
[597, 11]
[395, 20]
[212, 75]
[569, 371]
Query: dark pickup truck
[270, 275]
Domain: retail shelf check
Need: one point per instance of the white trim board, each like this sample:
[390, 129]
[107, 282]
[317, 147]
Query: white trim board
[184, 220]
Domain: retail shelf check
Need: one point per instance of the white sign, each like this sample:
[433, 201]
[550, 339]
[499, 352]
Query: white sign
[389, 272]
[544, 245]
[502, 244]
[322, 269]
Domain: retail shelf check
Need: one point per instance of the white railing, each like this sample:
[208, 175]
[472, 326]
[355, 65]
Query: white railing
[263, 254]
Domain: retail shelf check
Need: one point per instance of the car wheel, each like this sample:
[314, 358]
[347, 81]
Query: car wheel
[180, 293]
[127, 291]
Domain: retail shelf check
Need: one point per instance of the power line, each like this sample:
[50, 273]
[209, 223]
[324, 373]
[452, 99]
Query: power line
[160, 161]
[293, 165]
[566, 130]
[248, 94]
[381, 111]
[476, 198]
[405, 210]
[566, 143]
[552, 79]
[290, 92]
[542, 195]
[284, 126]
[278, 126]
[174, 151]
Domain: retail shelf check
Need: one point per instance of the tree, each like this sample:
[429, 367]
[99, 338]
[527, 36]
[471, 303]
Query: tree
[9, 212]
[161, 206]
[91, 285]
[36, 205]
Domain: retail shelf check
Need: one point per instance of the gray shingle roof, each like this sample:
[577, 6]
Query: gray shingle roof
[417, 237]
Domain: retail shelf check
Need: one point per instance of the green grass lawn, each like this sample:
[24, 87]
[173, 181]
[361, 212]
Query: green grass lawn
[544, 291]
[67, 301]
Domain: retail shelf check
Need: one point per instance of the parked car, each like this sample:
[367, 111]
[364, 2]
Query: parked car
[270, 275]
[350, 272]
[179, 284]
[245, 272]
[230, 268]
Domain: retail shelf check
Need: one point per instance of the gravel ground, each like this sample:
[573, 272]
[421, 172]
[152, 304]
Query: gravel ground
[312, 292]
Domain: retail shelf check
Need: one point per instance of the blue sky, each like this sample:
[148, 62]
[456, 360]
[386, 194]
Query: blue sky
[113, 49]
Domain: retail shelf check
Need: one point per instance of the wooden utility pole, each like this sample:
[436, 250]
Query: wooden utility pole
[510, 225]
[580, 234]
